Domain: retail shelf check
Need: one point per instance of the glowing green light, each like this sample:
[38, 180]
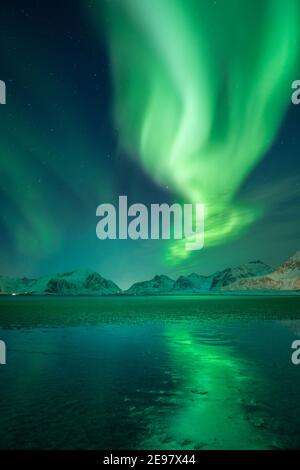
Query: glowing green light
[200, 91]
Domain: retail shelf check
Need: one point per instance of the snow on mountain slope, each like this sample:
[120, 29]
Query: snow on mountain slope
[9, 285]
[251, 276]
[232, 275]
[158, 285]
[285, 277]
[193, 283]
[80, 282]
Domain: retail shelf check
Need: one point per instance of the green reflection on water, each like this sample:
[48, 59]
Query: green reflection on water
[216, 399]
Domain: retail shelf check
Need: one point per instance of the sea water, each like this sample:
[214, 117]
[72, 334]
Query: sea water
[149, 373]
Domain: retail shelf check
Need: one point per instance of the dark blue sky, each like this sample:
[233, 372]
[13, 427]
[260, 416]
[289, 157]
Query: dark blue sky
[61, 156]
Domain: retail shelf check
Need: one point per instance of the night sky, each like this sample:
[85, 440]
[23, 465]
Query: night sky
[162, 101]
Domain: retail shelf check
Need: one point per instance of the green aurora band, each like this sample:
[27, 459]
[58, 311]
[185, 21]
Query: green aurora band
[201, 88]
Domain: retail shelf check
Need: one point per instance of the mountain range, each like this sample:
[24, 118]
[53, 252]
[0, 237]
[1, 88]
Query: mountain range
[285, 277]
[254, 276]
[79, 282]
[196, 283]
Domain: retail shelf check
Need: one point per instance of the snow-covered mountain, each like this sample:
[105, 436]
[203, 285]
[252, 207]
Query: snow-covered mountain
[220, 279]
[196, 283]
[8, 285]
[285, 277]
[251, 276]
[80, 282]
[193, 283]
[158, 285]
[228, 276]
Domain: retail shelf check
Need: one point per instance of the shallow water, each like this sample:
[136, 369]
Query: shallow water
[150, 373]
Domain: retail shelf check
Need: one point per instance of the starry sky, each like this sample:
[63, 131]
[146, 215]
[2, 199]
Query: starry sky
[162, 101]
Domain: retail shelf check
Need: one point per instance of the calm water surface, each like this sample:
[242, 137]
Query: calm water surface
[150, 373]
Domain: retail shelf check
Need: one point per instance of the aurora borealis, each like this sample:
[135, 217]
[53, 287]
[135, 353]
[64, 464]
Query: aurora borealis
[164, 101]
[196, 102]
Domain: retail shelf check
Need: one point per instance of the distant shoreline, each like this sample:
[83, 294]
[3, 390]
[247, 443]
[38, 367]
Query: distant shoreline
[177, 294]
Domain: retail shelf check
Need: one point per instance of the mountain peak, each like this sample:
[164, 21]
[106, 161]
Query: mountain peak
[161, 277]
[253, 275]
[295, 257]
[160, 284]
[78, 282]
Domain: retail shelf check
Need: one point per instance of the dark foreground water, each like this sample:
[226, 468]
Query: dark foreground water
[149, 373]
